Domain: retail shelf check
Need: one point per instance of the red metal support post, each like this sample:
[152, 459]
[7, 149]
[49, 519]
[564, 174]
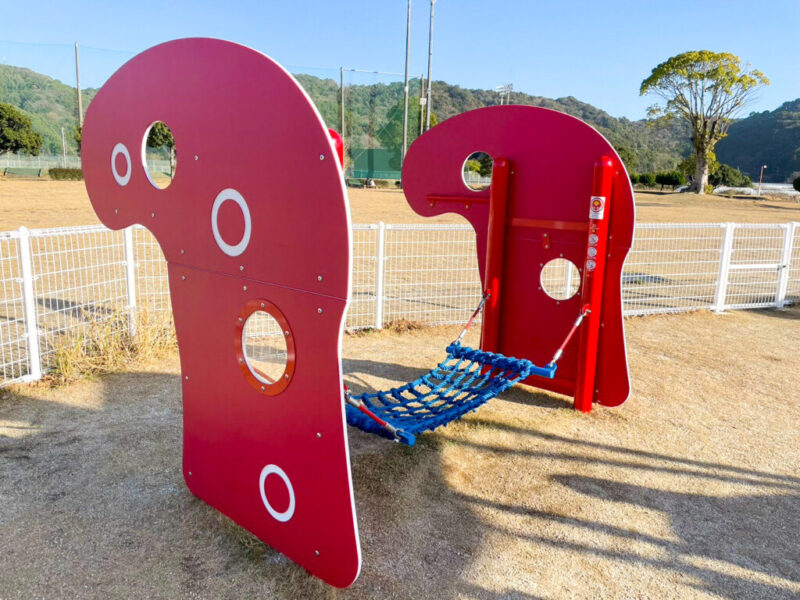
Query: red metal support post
[593, 279]
[498, 201]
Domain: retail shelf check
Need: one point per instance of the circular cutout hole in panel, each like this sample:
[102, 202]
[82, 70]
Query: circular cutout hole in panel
[159, 155]
[265, 347]
[477, 171]
[560, 279]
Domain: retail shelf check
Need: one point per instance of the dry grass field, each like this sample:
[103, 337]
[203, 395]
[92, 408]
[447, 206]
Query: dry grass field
[689, 490]
[57, 203]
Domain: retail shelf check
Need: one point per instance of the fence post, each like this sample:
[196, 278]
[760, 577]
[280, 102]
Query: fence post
[380, 255]
[130, 278]
[724, 266]
[786, 264]
[31, 321]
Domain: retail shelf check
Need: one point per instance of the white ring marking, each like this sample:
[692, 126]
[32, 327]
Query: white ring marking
[223, 196]
[276, 470]
[121, 149]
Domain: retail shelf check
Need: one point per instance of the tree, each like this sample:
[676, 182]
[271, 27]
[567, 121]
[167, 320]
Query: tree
[706, 89]
[627, 155]
[796, 183]
[16, 132]
[688, 166]
[647, 179]
[730, 176]
[159, 137]
[670, 178]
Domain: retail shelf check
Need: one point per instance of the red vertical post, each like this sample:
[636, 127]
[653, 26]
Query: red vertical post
[594, 267]
[496, 233]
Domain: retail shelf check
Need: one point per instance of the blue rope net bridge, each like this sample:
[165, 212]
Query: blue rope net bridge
[464, 381]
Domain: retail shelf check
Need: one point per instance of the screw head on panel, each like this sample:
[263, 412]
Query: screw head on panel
[316, 552]
[319, 435]
[183, 277]
[241, 267]
[319, 311]
[196, 157]
[286, 376]
[322, 157]
[153, 214]
[263, 388]
[241, 360]
[183, 251]
[116, 211]
[240, 319]
[286, 333]
[244, 287]
[319, 277]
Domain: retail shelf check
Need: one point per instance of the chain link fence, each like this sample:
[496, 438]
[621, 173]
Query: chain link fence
[59, 283]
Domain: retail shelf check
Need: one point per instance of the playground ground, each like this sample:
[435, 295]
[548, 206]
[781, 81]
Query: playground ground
[689, 490]
[57, 203]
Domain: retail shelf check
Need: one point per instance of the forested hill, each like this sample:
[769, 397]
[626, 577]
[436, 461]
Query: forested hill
[769, 138]
[49, 103]
[374, 117]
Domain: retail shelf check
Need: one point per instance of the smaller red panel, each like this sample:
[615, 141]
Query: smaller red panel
[552, 158]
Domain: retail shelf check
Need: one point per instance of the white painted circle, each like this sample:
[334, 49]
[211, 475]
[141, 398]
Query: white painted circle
[121, 149]
[276, 470]
[224, 196]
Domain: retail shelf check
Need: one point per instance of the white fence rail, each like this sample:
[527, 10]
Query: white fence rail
[57, 283]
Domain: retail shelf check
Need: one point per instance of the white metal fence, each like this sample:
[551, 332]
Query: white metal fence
[60, 282]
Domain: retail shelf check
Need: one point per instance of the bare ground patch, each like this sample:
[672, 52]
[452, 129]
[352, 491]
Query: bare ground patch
[690, 489]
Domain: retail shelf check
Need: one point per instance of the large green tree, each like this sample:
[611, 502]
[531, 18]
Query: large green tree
[706, 89]
[16, 132]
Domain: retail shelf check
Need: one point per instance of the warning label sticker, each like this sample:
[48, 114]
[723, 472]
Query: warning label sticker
[598, 207]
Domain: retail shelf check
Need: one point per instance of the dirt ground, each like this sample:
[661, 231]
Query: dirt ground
[689, 490]
[58, 203]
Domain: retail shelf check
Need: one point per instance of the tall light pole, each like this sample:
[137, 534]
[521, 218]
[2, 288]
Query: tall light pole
[78, 86]
[505, 90]
[761, 178]
[430, 60]
[405, 95]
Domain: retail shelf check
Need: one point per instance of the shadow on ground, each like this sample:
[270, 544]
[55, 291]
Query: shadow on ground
[94, 505]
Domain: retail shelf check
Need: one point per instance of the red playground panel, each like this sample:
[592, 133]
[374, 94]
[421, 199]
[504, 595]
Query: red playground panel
[256, 224]
[256, 215]
[558, 191]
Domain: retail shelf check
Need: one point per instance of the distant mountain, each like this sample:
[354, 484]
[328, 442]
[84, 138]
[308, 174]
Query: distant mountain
[49, 103]
[766, 138]
[374, 117]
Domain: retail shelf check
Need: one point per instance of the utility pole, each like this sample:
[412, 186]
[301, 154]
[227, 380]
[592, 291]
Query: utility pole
[761, 178]
[430, 60]
[64, 147]
[405, 97]
[421, 104]
[78, 86]
[341, 102]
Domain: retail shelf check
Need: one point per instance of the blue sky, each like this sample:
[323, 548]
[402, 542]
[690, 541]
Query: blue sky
[597, 52]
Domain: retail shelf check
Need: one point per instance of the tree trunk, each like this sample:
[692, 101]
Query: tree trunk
[173, 159]
[701, 174]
